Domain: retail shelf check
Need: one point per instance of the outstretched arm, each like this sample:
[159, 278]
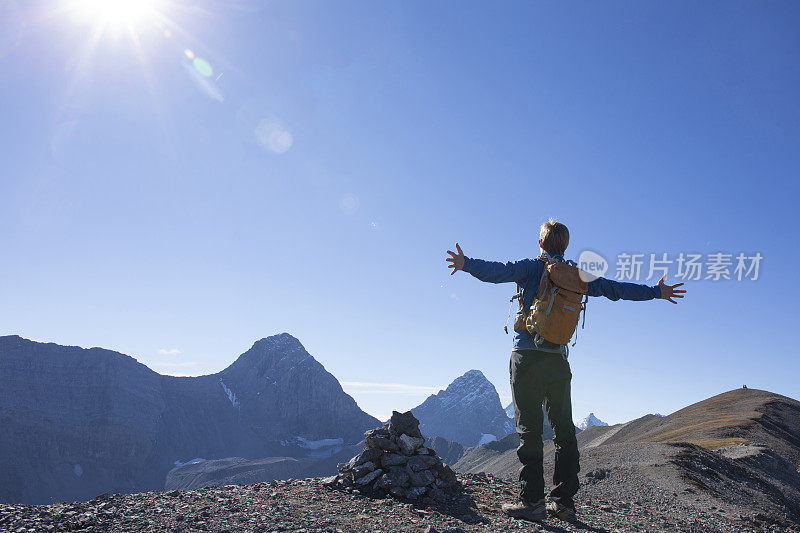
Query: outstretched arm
[618, 290]
[491, 271]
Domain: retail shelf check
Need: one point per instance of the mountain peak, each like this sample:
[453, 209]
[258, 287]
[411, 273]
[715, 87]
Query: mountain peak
[281, 350]
[281, 339]
[471, 379]
[590, 421]
[469, 397]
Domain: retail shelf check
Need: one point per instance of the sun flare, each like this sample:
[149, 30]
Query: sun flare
[115, 12]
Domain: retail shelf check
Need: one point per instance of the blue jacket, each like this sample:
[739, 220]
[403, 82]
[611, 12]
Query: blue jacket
[528, 272]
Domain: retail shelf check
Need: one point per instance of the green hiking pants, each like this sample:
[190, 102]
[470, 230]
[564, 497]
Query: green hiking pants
[543, 379]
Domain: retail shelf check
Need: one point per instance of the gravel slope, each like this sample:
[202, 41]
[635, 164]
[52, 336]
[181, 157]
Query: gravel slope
[610, 504]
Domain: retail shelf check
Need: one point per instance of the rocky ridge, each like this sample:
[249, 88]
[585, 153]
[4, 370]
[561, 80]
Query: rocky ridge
[308, 505]
[626, 485]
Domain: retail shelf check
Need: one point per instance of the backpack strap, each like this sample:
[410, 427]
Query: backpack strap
[583, 310]
[517, 296]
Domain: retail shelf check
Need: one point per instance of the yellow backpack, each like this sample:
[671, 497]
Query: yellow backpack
[559, 301]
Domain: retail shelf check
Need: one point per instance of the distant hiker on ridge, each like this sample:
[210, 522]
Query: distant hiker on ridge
[551, 294]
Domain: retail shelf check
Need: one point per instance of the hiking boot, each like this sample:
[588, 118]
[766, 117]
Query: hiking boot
[561, 511]
[526, 509]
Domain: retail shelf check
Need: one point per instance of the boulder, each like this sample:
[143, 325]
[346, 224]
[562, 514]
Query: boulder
[369, 478]
[447, 475]
[422, 462]
[393, 459]
[405, 423]
[363, 469]
[369, 454]
[415, 493]
[382, 431]
[382, 443]
[399, 476]
[421, 478]
[408, 444]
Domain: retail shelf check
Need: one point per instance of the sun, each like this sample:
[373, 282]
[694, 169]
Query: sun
[115, 12]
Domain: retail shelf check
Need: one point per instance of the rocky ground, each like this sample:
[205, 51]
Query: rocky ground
[308, 505]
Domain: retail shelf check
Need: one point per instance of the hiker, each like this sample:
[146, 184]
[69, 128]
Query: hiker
[540, 372]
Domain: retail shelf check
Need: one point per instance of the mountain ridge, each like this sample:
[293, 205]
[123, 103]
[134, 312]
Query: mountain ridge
[81, 421]
[731, 418]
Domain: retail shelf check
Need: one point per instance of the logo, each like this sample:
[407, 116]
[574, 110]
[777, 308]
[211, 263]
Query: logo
[592, 265]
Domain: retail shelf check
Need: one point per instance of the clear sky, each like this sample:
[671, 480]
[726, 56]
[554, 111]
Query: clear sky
[180, 181]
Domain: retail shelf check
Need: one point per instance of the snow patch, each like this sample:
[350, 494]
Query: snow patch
[486, 438]
[229, 393]
[317, 444]
[193, 461]
[316, 448]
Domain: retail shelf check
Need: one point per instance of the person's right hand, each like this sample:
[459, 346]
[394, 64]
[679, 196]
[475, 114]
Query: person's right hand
[456, 260]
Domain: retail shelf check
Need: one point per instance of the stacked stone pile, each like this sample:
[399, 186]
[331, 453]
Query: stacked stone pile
[396, 462]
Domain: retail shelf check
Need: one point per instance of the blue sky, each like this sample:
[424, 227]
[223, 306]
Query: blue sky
[181, 186]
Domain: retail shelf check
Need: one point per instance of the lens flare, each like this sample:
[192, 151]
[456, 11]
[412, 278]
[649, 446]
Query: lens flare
[273, 136]
[203, 67]
[349, 203]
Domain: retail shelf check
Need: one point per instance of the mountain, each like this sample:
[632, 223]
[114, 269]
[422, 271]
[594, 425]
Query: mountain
[589, 421]
[448, 450]
[468, 411]
[629, 482]
[79, 422]
[746, 417]
[510, 410]
[740, 416]
[737, 452]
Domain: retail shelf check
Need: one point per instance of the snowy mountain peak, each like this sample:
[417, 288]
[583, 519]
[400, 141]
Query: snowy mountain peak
[474, 373]
[589, 421]
[471, 380]
[468, 411]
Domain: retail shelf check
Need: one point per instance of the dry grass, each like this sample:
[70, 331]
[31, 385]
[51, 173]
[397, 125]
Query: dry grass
[704, 426]
[715, 444]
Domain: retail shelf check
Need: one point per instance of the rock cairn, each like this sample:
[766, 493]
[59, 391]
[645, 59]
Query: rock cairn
[396, 462]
